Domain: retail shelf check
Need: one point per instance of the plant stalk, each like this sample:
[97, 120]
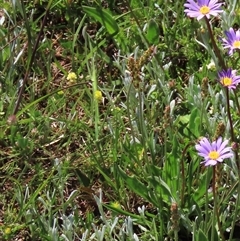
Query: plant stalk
[20, 94]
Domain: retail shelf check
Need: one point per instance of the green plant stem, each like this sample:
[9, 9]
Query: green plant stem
[216, 213]
[95, 101]
[142, 125]
[236, 101]
[215, 206]
[229, 114]
[231, 129]
[130, 112]
[235, 213]
[183, 173]
[207, 202]
[175, 235]
[20, 94]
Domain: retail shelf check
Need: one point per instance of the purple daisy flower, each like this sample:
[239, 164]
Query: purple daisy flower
[228, 78]
[232, 41]
[213, 152]
[202, 8]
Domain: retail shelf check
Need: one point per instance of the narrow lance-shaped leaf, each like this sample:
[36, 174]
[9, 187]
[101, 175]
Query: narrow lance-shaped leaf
[153, 32]
[103, 17]
[135, 185]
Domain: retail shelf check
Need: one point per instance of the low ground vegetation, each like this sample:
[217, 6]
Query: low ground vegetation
[119, 120]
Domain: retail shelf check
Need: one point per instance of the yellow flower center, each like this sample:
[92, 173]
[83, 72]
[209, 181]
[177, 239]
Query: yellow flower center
[226, 81]
[204, 10]
[213, 155]
[236, 44]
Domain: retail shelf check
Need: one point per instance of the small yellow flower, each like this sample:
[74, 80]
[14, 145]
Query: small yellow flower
[60, 92]
[72, 78]
[116, 205]
[98, 95]
[7, 231]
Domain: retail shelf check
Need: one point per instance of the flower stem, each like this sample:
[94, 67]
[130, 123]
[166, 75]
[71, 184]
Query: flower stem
[224, 67]
[229, 115]
[216, 49]
[183, 172]
[40, 34]
[234, 220]
[216, 213]
[237, 102]
[231, 128]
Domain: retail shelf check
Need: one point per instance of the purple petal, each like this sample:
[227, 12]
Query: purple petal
[210, 163]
